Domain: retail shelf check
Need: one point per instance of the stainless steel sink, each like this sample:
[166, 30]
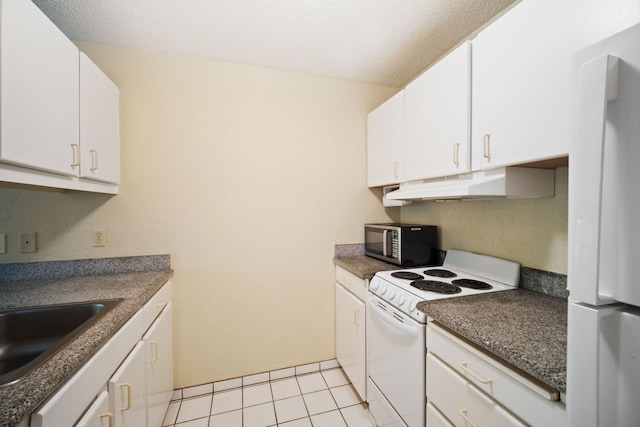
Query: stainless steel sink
[28, 336]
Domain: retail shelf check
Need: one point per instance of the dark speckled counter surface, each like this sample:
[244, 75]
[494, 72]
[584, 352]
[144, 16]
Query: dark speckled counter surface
[19, 399]
[526, 329]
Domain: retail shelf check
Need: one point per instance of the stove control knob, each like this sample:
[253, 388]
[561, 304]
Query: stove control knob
[392, 295]
[383, 290]
[374, 285]
[412, 305]
[401, 300]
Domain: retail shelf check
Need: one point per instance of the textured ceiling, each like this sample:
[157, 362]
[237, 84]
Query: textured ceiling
[377, 41]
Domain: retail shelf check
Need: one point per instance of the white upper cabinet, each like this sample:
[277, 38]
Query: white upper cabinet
[385, 139]
[99, 124]
[520, 79]
[437, 119]
[39, 92]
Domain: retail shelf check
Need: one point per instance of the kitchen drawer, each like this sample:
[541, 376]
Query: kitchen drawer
[154, 306]
[352, 283]
[460, 401]
[528, 398]
[435, 417]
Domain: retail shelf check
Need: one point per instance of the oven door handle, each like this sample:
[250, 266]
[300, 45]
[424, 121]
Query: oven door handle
[409, 330]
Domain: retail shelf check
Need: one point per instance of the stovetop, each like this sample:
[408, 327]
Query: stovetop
[462, 274]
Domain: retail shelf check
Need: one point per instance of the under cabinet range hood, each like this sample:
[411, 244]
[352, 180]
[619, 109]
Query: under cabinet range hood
[488, 184]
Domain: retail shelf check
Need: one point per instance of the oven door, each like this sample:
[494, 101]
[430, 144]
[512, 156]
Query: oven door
[396, 354]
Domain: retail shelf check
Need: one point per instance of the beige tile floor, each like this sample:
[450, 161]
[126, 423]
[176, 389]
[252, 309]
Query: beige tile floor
[314, 395]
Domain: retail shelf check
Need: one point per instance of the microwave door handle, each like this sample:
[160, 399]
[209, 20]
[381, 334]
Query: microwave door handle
[384, 242]
[597, 86]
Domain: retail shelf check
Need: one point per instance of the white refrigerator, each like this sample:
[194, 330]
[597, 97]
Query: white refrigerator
[603, 366]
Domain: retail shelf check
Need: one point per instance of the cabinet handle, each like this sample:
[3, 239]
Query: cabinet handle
[456, 158]
[161, 303]
[486, 146]
[463, 412]
[356, 320]
[395, 169]
[128, 387]
[154, 350]
[464, 367]
[94, 159]
[76, 159]
[108, 415]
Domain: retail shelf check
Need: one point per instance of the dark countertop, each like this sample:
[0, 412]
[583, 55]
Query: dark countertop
[526, 329]
[363, 266]
[20, 399]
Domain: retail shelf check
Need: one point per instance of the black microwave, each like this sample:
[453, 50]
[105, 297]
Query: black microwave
[407, 245]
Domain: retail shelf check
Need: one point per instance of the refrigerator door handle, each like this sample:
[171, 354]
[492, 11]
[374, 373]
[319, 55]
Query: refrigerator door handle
[597, 86]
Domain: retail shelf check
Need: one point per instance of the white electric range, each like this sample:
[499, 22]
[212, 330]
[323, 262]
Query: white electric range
[397, 337]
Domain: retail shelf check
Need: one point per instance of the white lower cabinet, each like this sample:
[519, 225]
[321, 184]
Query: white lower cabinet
[435, 417]
[98, 414]
[351, 345]
[158, 343]
[127, 390]
[468, 385]
[460, 401]
[127, 383]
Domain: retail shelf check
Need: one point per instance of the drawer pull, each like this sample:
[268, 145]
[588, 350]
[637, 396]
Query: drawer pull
[456, 151]
[128, 387]
[463, 366]
[463, 413]
[356, 320]
[154, 351]
[108, 415]
[162, 302]
[94, 160]
[76, 158]
[486, 146]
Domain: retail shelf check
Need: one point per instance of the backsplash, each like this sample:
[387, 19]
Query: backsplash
[82, 267]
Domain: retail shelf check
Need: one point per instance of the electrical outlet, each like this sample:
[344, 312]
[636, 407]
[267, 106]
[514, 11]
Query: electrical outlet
[100, 238]
[27, 242]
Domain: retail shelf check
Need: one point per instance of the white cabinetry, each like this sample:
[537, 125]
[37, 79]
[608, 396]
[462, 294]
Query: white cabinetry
[98, 414]
[520, 79]
[351, 350]
[159, 367]
[127, 391]
[437, 119]
[385, 140]
[39, 92]
[133, 371]
[99, 124]
[464, 382]
[59, 112]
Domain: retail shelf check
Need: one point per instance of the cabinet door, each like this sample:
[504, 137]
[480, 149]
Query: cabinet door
[98, 414]
[437, 117]
[99, 124]
[350, 338]
[520, 79]
[39, 92]
[385, 138]
[460, 401]
[159, 366]
[127, 390]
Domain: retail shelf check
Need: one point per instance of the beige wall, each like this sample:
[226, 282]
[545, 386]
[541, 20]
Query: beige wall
[532, 232]
[248, 177]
